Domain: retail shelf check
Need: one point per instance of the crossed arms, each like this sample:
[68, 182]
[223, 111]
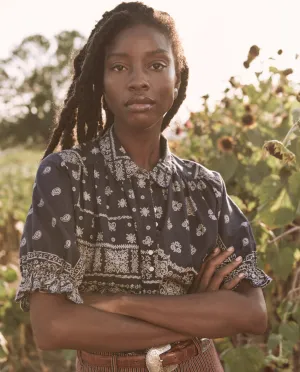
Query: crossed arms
[135, 322]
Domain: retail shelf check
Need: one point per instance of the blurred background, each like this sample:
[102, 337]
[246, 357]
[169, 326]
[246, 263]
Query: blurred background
[240, 118]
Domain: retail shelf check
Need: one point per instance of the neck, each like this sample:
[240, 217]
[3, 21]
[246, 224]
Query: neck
[142, 146]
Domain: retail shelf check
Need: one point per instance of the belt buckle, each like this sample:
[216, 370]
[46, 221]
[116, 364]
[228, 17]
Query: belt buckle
[205, 344]
[153, 361]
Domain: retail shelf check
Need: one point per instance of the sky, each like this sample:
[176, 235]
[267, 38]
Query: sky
[216, 34]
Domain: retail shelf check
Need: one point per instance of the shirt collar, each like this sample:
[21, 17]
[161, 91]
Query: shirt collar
[121, 166]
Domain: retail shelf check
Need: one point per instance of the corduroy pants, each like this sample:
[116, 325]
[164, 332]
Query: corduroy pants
[205, 361]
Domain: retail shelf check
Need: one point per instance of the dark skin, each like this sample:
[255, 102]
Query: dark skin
[140, 62]
[131, 322]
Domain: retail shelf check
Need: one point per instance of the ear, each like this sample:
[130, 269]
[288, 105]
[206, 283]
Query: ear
[178, 81]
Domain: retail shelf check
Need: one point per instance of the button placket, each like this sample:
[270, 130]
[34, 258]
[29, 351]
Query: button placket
[148, 229]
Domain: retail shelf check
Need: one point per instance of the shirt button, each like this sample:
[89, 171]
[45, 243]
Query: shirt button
[151, 268]
[150, 252]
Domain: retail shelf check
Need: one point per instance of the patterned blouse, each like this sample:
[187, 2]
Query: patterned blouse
[99, 223]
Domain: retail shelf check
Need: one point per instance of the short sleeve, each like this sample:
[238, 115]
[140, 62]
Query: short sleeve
[234, 230]
[49, 259]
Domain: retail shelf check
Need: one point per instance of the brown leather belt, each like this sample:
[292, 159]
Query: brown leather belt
[176, 355]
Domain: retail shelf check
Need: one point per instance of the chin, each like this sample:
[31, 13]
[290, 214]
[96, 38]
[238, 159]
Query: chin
[143, 122]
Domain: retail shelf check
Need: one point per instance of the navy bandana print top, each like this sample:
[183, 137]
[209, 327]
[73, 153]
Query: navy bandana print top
[99, 223]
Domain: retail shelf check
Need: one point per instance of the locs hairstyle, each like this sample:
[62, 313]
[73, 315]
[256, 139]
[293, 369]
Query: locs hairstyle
[84, 102]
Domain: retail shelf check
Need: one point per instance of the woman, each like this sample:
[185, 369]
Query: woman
[119, 227]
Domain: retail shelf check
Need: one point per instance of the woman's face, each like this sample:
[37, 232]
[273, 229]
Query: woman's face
[139, 77]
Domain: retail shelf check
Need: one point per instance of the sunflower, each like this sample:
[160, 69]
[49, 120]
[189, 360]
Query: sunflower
[279, 151]
[248, 120]
[225, 144]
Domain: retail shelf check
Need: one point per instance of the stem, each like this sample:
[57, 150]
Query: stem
[284, 234]
[292, 129]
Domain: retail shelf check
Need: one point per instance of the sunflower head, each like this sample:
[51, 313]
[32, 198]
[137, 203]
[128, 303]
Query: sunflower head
[254, 51]
[279, 151]
[248, 120]
[225, 144]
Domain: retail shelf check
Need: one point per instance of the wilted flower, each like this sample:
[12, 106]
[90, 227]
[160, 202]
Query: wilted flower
[287, 72]
[226, 102]
[279, 151]
[279, 89]
[248, 120]
[225, 144]
[188, 124]
[246, 64]
[178, 130]
[233, 82]
[254, 51]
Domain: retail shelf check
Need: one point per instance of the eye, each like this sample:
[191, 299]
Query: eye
[118, 68]
[158, 66]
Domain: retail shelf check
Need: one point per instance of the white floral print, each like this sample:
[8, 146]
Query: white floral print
[122, 203]
[144, 211]
[176, 205]
[176, 247]
[201, 229]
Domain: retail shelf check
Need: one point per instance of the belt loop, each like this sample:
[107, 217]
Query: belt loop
[114, 366]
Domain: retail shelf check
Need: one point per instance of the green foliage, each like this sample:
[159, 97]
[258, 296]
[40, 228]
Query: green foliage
[252, 138]
[31, 80]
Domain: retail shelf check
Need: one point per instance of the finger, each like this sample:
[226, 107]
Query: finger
[220, 274]
[211, 267]
[233, 282]
[193, 288]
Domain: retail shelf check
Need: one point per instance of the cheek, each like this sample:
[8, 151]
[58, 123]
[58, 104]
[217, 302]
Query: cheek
[166, 94]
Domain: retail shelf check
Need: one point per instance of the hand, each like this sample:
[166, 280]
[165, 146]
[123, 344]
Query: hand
[210, 279]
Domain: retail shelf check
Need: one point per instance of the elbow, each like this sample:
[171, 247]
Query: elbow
[47, 337]
[260, 322]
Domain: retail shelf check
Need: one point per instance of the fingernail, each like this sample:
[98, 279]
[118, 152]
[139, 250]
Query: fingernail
[216, 250]
[239, 258]
[231, 249]
[241, 275]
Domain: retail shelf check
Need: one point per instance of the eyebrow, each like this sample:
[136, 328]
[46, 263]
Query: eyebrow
[150, 53]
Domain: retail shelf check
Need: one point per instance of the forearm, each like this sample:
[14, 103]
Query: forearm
[211, 314]
[81, 327]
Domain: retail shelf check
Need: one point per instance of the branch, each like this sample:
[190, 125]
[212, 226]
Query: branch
[284, 234]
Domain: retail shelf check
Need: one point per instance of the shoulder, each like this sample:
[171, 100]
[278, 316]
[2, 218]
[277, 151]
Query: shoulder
[193, 171]
[79, 156]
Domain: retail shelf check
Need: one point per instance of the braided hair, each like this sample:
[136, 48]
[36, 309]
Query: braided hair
[84, 104]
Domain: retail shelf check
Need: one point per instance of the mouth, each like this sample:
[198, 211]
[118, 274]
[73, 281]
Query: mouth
[140, 107]
[140, 104]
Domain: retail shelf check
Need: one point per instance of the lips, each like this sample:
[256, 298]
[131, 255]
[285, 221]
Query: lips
[139, 104]
[140, 100]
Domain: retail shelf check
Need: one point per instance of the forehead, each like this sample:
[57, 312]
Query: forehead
[137, 39]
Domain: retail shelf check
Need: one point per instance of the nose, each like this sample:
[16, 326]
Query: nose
[138, 81]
